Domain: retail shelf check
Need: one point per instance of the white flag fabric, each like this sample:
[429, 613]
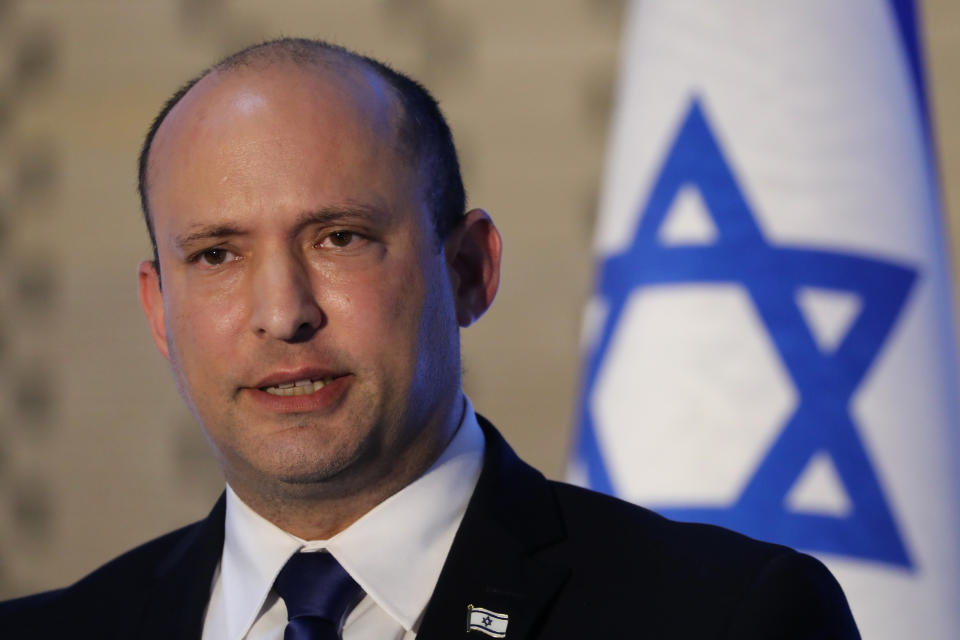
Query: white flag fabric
[770, 345]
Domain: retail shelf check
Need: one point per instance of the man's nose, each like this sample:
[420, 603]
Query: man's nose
[284, 306]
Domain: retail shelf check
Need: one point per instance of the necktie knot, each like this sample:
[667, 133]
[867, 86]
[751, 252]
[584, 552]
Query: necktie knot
[318, 594]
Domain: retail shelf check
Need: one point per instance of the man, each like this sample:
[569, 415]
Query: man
[312, 268]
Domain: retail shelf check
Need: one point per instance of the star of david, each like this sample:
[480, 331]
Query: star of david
[487, 621]
[825, 382]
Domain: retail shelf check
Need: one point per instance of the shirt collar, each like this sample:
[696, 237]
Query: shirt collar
[395, 551]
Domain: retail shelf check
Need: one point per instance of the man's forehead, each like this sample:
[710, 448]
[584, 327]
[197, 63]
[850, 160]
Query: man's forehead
[286, 137]
[283, 94]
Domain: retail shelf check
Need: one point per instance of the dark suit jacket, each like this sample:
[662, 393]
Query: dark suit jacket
[560, 561]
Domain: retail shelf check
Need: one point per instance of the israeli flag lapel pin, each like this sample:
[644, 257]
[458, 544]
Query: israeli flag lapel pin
[485, 621]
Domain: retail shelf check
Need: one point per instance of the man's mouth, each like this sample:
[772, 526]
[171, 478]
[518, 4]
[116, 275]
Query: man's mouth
[299, 388]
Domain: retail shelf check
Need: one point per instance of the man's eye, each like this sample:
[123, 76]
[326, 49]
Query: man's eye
[339, 239]
[214, 257]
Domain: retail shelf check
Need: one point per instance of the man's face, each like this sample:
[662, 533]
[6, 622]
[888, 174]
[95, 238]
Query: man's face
[295, 248]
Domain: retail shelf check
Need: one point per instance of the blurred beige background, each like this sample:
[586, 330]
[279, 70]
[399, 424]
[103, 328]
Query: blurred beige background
[97, 452]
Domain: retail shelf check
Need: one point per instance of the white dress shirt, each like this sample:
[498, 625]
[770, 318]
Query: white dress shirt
[395, 552]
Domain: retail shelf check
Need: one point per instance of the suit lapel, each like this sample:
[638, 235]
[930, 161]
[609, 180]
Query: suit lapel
[175, 607]
[492, 562]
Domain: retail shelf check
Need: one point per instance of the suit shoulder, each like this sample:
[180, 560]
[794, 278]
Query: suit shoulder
[143, 561]
[618, 550]
[119, 583]
[590, 517]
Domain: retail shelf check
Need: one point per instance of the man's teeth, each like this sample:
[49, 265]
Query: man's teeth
[298, 388]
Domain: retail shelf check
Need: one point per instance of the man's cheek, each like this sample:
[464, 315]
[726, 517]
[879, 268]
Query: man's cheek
[203, 318]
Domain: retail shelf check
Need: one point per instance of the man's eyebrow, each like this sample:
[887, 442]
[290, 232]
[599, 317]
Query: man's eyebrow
[207, 232]
[340, 213]
[323, 216]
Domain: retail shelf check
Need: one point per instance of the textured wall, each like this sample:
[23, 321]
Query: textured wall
[97, 452]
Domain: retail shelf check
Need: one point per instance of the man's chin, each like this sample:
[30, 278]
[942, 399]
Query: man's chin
[312, 476]
[303, 468]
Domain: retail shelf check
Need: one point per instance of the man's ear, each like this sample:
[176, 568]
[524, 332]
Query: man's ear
[473, 260]
[151, 299]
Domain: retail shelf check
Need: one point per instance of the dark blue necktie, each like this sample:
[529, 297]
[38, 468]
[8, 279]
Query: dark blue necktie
[318, 593]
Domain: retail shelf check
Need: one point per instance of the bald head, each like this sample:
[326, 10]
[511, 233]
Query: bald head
[418, 128]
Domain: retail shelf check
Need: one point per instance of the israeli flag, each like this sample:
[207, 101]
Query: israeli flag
[486, 621]
[770, 344]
